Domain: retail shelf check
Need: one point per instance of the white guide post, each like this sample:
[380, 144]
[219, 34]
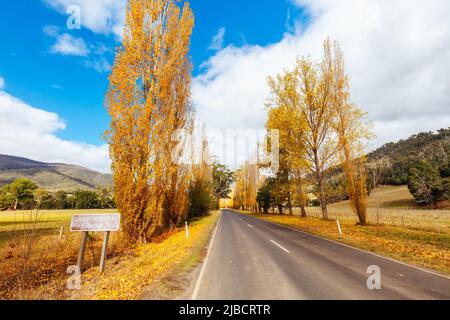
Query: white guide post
[339, 228]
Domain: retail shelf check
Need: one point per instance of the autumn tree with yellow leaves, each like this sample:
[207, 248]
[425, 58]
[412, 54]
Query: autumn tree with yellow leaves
[284, 116]
[148, 100]
[319, 128]
[247, 181]
[351, 130]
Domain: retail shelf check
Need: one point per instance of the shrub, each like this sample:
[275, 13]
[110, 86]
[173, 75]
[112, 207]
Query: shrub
[424, 183]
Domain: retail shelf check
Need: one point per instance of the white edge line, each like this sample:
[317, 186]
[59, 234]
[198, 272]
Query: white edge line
[354, 248]
[280, 246]
[202, 270]
[250, 226]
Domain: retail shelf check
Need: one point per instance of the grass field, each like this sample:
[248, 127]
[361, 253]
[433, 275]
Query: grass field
[391, 205]
[43, 222]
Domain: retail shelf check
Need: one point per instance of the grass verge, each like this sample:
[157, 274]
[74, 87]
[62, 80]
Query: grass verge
[127, 276]
[426, 248]
[33, 264]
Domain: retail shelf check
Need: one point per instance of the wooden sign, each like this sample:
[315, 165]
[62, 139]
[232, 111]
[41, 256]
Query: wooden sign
[95, 222]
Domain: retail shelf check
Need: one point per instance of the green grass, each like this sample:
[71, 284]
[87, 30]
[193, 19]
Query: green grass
[42, 222]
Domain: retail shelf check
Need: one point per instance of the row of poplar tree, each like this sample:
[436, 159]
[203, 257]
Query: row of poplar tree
[158, 182]
[319, 128]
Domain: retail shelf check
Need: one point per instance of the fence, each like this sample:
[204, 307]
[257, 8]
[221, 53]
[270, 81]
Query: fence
[438, 220]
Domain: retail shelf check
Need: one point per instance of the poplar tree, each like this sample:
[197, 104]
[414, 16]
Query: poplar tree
[148, 99]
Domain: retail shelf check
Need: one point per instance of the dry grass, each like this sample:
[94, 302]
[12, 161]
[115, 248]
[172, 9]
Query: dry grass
[128, 272]
[32, 260]
[429, 249]
[391, 205]
[129, 277]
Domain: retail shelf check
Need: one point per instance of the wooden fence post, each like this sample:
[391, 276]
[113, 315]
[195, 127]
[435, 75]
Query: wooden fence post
[61, 231]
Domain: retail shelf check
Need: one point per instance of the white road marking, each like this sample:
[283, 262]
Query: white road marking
[250, 226]
[280, 246]
[202, 271]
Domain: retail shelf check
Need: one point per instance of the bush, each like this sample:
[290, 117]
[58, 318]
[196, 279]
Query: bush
[6, 201]
[425, 184]
[85, 199]
[199, 199]
[314, 203]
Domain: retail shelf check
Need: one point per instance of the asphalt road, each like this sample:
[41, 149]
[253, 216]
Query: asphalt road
[250, 259]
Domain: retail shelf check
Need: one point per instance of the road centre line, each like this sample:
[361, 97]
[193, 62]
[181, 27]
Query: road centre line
[280, 246]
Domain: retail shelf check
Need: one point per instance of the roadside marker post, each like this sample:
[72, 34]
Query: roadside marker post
[86, 223]
[61, 231]
[187, 229]
[339, 228]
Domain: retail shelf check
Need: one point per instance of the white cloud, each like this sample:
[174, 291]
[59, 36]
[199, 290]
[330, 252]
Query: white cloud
[397, 55]
[99, 16]
[31, 132]
[51, 31]
[217, 41]
[67, 44]
[101, 65]
[2, 83]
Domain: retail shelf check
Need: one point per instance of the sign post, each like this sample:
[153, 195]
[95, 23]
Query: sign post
[84, 237]
[94, 223]
[103, 256]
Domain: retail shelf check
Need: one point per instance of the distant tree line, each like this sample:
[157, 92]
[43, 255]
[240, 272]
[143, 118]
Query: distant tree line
[421, 162]
[24, 194]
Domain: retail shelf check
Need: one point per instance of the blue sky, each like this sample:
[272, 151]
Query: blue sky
[53, 80]
[65, 85]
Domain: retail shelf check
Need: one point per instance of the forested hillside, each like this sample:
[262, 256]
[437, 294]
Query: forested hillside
[391, 164]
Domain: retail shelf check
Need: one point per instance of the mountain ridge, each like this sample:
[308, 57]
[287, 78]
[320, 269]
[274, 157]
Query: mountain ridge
[51, 176]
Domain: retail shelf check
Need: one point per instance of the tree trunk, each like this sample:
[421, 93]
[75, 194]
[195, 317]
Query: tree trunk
[301, 195]
[280, 209]
[302, 208]
[291, 211]
[319, 181]
[323, 202]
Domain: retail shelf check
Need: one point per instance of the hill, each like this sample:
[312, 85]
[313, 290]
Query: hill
[391, 163]
[51, 176]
